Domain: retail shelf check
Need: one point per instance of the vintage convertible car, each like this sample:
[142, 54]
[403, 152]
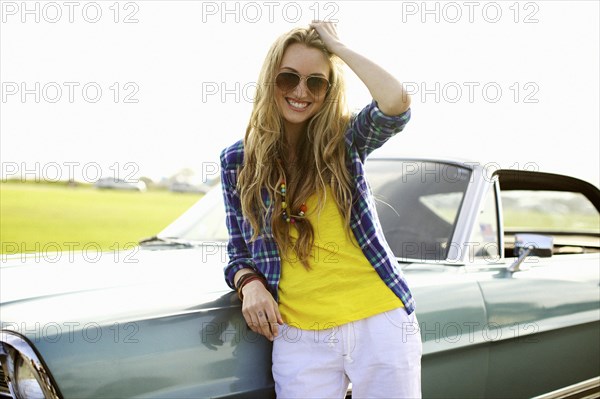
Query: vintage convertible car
[503, 264]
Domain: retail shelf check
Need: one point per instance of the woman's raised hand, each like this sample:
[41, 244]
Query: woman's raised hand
[328, 33]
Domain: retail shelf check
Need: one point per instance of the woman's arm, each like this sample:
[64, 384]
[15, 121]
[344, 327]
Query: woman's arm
[389, 93]
[258, 307]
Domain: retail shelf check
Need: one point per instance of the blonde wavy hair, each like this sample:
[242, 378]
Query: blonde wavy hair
[321, 154]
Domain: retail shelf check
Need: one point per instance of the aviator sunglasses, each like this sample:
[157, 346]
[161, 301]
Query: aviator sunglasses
[288, 81]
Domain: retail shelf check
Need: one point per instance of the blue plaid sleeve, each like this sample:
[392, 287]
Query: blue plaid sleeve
[239, 255]
[371, 128]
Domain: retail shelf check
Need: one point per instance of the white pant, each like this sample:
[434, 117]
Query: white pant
[380, 355]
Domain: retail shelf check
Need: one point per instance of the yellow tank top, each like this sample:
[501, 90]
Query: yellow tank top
[341, 285]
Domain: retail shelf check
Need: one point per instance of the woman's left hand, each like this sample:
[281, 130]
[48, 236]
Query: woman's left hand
[328, 33]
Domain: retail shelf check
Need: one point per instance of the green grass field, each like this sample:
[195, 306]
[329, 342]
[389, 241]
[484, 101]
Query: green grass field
[44, 217]
[48, 217]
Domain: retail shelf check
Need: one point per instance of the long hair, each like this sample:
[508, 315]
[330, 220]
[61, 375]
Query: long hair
[321, 154]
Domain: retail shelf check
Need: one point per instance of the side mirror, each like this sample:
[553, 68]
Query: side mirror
[539, 245]
[531, 245]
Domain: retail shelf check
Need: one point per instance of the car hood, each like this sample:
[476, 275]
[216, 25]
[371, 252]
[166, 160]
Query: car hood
[109, 287]
[122, 286]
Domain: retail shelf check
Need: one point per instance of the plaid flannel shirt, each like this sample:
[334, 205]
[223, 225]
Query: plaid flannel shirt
[367, 131]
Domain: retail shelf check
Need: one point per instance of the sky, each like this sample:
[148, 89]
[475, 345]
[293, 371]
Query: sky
[146, 88]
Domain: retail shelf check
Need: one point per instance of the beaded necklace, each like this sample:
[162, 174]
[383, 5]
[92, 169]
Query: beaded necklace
[284, 211]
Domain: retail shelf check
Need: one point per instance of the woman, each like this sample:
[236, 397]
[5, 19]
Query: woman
[307, 254]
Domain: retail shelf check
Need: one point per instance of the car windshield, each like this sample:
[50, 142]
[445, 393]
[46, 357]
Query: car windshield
[417, 203]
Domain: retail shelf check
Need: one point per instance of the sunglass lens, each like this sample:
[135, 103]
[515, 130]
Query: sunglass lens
[317, 85]
[287, 81]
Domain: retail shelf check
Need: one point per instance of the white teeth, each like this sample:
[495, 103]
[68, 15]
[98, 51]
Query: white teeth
[297, 105]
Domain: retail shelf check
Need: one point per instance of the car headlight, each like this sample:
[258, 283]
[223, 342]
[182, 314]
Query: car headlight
[26, 376]
[27, 379]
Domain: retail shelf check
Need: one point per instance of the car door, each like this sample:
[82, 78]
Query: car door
[451, 316]
[542, 319]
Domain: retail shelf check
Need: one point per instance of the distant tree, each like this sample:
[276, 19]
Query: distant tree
[149, 182]
[184, 175]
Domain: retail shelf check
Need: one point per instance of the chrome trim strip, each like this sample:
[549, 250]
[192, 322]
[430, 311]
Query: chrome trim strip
[584, 389]
[477, 188]
[499, 216]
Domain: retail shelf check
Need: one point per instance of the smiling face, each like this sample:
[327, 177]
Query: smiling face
[298, 105]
